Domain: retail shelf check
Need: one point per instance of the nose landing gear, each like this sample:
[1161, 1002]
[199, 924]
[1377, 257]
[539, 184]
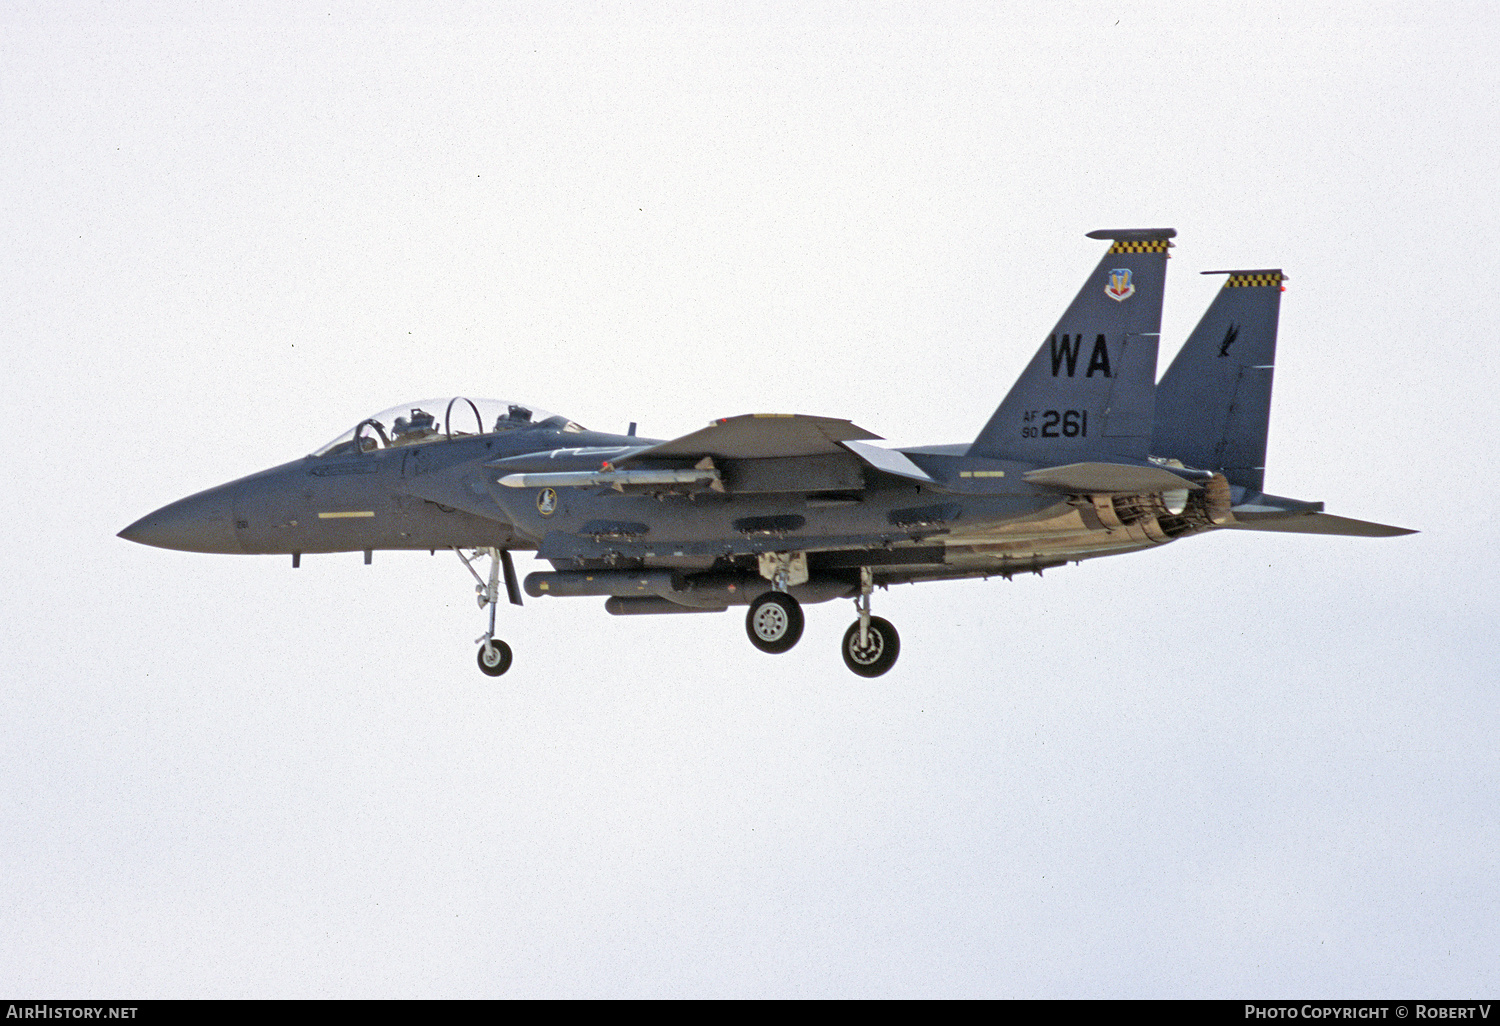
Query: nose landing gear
[494, 655]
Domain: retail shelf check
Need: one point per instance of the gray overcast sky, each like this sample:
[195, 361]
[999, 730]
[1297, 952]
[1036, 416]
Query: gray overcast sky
[1240, 765]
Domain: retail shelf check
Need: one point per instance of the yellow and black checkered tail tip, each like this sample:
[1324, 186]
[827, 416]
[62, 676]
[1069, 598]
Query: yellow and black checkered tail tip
[1136, 240]
[1262, 278]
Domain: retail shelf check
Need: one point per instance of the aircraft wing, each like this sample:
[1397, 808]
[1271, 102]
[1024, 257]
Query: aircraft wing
[757, 436]
[759, 452]
[771, 452]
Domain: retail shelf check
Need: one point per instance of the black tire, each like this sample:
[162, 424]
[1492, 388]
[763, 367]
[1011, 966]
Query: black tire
[499, 657]
[774, 622]
[877, 657]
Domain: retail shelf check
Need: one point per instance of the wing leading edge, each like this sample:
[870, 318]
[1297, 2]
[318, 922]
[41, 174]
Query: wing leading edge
[758, 436]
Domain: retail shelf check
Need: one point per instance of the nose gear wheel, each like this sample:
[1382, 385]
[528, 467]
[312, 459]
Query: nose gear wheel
[494, 657]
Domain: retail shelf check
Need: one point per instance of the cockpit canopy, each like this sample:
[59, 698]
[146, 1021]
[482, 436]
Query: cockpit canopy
[433, 420]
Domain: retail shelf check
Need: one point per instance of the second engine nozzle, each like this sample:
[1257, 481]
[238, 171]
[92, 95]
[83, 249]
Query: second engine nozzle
[575, 583]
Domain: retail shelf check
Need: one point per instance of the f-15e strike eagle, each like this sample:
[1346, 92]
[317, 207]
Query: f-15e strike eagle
[1087, 456]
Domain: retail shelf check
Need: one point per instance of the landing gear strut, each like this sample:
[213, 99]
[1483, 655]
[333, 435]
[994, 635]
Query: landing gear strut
[871, 644]
[494, 654]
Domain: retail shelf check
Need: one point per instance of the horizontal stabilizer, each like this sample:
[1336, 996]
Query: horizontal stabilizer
[757, 436]
[887, 460]
[1315, 523]
[1108, 478]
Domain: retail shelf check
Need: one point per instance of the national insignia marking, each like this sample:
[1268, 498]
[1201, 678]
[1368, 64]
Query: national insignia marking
[546, 502]
[1120, 287]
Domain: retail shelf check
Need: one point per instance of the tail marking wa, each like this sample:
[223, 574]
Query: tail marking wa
[1066, 353]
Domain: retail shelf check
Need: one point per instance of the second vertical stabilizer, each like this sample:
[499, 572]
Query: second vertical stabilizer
[1213, 405]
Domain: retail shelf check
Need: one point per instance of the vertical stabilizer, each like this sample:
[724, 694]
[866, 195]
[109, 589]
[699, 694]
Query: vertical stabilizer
[1088, 392]
[1213, 406]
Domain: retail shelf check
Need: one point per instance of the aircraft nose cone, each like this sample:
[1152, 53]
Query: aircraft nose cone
[199, 523]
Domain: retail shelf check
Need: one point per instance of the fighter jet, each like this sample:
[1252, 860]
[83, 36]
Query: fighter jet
[1086, 456]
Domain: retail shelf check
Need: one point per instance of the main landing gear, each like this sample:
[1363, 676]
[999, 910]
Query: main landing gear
[774, 622]
[871, 643]
[494, 654]
[876, 652]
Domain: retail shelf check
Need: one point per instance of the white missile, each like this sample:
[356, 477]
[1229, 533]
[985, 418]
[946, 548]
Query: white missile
[612, 478]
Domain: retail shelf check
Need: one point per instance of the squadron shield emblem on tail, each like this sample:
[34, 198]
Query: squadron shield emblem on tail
[1119, 287]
